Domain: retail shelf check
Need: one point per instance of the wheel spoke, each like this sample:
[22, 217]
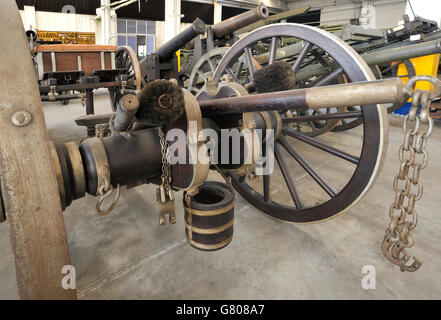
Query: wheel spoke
[231, 73]
[273, 50]
[266, 188]
[308, 168]
[282, 165]
[320, 145]
[239, 69]
[301, 56]
[329, 78]
[212, 66]
[249, 58]
[327, 116]
[201, 75]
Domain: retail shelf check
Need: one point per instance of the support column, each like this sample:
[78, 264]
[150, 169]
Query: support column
[105, 13]
[30, 20]
[217, 12]
[368, 15]
[172, 18]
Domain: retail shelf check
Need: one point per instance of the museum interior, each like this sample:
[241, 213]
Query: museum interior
[220, 149]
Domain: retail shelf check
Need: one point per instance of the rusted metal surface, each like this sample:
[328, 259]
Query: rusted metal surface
[234, 23]
[29, 182]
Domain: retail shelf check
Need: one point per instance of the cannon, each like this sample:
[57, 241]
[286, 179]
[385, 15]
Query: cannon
[207, 51]
[39, 179]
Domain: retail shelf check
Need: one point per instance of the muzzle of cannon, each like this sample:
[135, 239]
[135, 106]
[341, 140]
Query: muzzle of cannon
[168, 49]
[235, 23]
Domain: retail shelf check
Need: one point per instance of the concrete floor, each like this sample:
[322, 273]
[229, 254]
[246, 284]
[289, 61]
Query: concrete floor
[127, 255]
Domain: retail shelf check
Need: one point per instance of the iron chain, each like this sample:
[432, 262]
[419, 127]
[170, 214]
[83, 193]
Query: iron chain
[165, 156]
[407, 185]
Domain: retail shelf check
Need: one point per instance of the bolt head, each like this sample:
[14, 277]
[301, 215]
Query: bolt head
[21, 118]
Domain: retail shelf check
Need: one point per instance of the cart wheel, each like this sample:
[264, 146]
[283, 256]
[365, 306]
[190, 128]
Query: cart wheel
[29, 186]
[204, 69]
[303, 186]
[125, 58]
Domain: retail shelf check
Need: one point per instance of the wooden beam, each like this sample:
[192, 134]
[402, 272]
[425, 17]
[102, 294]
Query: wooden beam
[29, 185]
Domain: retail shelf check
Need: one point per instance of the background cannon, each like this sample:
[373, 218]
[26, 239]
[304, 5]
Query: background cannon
[218, 36]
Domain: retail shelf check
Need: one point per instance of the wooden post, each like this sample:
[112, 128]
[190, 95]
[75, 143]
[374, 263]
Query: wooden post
[29, 184]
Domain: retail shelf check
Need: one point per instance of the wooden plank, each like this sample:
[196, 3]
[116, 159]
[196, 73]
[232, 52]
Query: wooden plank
[29, 183]
[73, 48]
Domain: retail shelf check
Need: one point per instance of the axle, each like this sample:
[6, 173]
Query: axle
[342, 95]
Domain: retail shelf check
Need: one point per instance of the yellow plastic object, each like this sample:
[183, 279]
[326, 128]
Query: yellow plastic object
[178, 53]
[425, 65]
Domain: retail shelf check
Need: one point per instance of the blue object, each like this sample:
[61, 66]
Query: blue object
[404, 109]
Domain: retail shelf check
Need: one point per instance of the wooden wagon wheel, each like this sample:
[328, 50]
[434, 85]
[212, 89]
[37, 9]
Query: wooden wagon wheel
[240, 72]
[125, 58]
[29, 185]
[320, 199]
[204, 69]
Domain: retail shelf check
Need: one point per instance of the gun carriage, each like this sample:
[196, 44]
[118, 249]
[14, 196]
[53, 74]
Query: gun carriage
[384, 52]
[40, 179]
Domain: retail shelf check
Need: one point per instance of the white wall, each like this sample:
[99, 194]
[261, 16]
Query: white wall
[57, 21]
[428, 9]
[388, 12]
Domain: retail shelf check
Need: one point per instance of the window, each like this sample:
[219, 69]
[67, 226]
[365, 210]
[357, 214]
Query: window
[122, 41]
[121, 26]
[137, 34]
[131, 26]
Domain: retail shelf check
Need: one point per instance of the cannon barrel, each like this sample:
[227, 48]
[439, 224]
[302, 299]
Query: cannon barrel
[167, 50]
[372, 58]
[342, 95]
[235, 23]
[404, 52]
[379, 57]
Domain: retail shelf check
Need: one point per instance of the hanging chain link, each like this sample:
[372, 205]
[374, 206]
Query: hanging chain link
[165, 155]
[164, 193]
[407, 185]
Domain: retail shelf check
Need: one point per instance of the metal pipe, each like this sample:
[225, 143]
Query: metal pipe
[235, 23]
[380, 57]
[431, 36]
[405, 52]
[342, 95]
[374, 58]
[60, 97]
[168, 49]
[125, 112]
